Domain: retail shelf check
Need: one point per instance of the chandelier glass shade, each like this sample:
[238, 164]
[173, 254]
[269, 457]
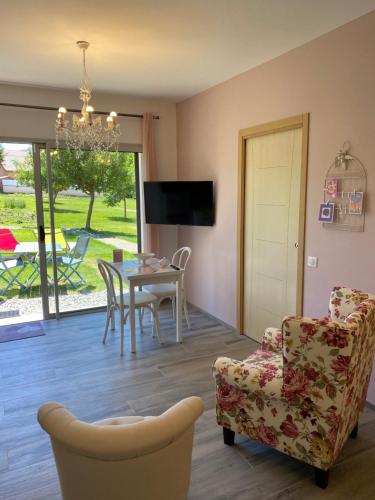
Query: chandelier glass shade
[86, 131]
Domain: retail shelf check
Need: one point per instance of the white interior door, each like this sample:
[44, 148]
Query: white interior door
[272, 215]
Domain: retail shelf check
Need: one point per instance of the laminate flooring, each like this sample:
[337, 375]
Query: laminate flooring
[70, 365]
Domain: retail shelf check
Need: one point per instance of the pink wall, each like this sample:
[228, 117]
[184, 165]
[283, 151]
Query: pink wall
[332, 78]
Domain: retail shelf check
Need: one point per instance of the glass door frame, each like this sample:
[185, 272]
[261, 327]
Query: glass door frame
[37, 148]
[48, 146]
[38, 197]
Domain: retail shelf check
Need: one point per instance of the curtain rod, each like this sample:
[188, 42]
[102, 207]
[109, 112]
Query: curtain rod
[50, 108]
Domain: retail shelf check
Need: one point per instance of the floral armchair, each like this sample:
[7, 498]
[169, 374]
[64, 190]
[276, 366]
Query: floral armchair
[303, 391]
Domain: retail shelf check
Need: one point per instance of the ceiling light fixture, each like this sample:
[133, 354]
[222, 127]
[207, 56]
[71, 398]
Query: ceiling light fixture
[86, 131]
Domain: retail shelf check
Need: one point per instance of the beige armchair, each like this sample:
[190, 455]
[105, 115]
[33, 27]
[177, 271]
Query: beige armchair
[127, 458]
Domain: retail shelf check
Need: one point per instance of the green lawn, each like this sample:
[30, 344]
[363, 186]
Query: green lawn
[70, 212]
[70, 216]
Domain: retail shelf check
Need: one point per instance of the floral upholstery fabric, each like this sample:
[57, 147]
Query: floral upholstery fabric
[301, 394]
[272, 340]
[262, 372]
[343, 300]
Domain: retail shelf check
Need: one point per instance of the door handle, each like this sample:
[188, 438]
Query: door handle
[42, 234]
[295, 245]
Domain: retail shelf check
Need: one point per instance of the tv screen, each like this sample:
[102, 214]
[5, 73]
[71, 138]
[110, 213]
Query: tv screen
[188, 203]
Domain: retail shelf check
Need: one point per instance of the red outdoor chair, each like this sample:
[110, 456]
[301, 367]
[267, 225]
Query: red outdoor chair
[10, 266]
[7, 240]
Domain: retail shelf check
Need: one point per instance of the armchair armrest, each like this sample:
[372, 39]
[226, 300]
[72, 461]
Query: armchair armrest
[272, 340]
[256, 374]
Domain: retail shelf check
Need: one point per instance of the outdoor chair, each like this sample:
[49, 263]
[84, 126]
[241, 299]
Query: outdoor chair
[7, 240]
[59, 238]
[121, 302]
[10, 266]
[10, 269]
[68, 264]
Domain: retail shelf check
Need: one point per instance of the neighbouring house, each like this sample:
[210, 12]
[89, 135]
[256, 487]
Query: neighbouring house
[8, 168]
[8, 171]
[5, 173]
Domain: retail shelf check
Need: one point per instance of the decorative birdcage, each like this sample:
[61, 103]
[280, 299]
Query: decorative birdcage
[345, 192]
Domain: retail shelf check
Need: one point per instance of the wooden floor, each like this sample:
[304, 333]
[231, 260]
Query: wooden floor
[70, 365]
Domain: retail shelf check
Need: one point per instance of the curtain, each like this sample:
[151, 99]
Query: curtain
[151, 231]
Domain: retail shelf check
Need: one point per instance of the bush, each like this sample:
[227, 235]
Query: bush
[12, 203]
[11, 218]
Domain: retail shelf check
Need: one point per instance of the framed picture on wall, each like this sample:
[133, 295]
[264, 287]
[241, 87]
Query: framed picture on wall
[355, 203]
[331, 187]
[326, 212]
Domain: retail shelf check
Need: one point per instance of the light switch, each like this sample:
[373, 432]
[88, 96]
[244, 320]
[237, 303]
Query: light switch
[312, 261]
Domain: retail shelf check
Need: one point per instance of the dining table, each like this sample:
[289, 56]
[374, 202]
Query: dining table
[138, 275]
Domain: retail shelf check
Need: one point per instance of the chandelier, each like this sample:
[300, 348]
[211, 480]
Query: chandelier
[86, 131]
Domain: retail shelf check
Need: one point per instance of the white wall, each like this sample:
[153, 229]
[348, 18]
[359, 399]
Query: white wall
[18, 123]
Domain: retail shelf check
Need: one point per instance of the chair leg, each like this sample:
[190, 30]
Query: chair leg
[140, 317]
[122, 326]
[109, 315]
[354, 432]
[186, 314]
[321, 478]
[153, 308]
[155, 313]
[228, 436]
[113, 323]
[173, 300]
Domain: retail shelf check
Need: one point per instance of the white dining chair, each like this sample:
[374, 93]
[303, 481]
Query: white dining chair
[121, 302]
[162, 291]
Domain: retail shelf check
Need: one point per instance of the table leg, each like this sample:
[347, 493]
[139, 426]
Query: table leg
[35, 272]
[132, 317]
[178, 310]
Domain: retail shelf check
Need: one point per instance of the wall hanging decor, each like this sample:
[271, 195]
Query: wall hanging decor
[344, 193]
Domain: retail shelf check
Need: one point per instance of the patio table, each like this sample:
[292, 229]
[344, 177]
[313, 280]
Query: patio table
[29, 250]
[137, 275]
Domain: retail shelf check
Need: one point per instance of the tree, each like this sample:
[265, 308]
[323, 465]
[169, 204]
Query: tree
[88, 172]
[2, 155]
[120, 180]
[111, 174]
[59, 168]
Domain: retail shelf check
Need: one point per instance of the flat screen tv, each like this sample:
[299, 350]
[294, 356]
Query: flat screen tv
[187, 203]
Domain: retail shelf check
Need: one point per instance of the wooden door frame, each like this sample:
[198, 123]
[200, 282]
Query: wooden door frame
[294, 122]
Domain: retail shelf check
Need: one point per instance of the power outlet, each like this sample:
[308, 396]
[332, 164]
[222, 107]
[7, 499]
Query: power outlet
[312, 261]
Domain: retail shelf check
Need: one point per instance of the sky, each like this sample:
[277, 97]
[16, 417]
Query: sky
[15, 147]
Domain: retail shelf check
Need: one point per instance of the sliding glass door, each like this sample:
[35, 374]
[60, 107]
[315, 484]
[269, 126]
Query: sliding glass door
[59, 212]
[24, 280]
[93, 209]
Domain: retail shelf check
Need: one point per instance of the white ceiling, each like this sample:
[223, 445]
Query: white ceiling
[167, 48]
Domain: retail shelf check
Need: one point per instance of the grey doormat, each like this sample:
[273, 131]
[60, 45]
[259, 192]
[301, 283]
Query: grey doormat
[21, 331]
